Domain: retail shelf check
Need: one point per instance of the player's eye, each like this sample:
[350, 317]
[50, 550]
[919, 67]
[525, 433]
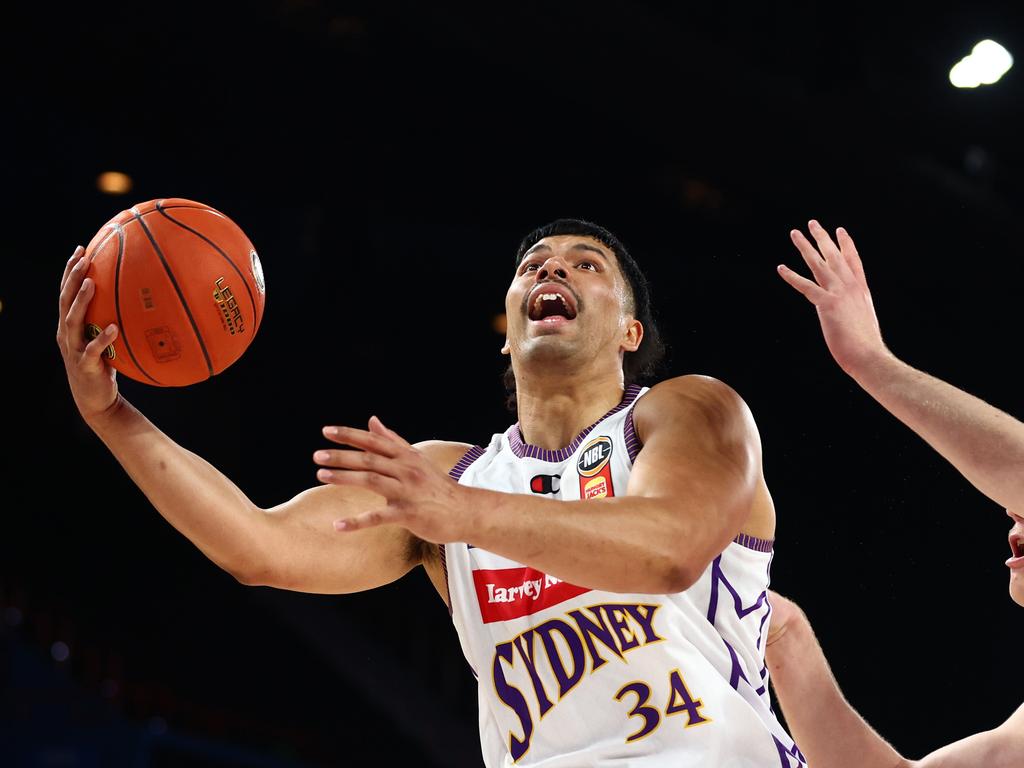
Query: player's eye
[531, 267]
[588, 265]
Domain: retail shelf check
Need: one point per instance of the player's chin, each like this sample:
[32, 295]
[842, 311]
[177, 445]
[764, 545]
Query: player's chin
[1017, 587]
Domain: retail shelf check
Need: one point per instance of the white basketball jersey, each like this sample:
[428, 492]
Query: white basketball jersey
[572, 677]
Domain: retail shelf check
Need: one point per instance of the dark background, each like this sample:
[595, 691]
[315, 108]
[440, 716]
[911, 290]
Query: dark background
[386, 159]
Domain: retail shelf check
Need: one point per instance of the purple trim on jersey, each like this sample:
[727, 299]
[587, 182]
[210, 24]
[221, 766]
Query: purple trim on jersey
[462, 464]
[633, 444]
[737, 669]
[526, 451]
[754, 543]
[760, 629]
[455, 473]
[785, 754]
[717, 576]
[444, 567]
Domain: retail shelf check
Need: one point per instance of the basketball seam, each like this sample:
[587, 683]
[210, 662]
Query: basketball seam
[252, 300]
[177, 288]
[117, 303]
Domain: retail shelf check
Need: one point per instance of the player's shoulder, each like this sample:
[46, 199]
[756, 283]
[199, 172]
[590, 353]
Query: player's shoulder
[690, 403]
[444, 454]
[692, 392]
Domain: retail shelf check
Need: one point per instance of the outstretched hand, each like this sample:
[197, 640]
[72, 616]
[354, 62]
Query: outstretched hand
[420, 497]
[840, 293]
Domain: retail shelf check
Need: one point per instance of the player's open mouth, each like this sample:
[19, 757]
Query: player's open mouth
[551, 300]
[1017, 549]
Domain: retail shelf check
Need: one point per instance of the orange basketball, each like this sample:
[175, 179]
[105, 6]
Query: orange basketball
[184, 286]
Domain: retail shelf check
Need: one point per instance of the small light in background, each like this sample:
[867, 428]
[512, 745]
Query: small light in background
[114, 183]
[500, 323]
[987, 62]
[60, 651]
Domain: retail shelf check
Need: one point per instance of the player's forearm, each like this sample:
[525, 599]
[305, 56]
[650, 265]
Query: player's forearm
[192, 495]
[624, 544]
[981, 441]
[827, 729]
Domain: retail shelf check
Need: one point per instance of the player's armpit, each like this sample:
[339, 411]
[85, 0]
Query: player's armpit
[1002, 747]
[701, 451]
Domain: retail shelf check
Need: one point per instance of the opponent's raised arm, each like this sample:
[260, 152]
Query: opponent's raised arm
[824, 725]
[692, 488]
[292, 546]
[985, 444]
[829, 731]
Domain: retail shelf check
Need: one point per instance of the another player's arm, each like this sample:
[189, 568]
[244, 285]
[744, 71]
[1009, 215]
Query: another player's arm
[829, 731]
[985, 444]
[292, 546]
[691, 490]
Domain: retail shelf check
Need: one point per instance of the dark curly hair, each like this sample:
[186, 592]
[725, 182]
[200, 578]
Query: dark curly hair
[638, 365]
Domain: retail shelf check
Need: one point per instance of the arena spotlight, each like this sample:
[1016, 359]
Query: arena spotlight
[987, 62]
[114, 183]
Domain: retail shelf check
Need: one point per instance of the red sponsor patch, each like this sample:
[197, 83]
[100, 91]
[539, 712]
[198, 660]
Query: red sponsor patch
[511, 593]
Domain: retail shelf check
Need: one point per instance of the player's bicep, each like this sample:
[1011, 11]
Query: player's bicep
[305, 553]
[702, 453]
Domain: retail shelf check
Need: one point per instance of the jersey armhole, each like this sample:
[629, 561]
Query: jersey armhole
[633, 444]
[455, 473]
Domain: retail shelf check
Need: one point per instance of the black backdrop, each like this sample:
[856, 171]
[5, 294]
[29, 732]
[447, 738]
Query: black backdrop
[385, 159]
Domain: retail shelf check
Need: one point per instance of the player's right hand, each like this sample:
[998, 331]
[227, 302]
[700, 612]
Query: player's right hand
[839, 291]
[93, 381]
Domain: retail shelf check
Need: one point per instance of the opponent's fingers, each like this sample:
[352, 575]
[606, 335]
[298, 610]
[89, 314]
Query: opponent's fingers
[73, 285]
[821, 271]
[365, 520]
[377, 426]
[360, 438]
[95, 348]
[360, 460]
[828, 249]
[380, 484]
[75, 258]
[808, 288]
[850, 255]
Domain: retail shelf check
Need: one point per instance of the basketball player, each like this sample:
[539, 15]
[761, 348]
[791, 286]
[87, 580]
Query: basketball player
[605, 560]
[986, 445]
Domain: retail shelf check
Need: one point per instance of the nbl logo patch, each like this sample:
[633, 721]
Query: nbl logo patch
[595, 470]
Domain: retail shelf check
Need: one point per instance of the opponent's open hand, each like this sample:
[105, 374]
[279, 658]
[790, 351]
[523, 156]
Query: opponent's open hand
[840, 294]
[420, 497]
[93, 381]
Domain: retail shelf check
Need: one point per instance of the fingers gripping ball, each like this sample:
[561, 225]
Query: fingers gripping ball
[184, 286]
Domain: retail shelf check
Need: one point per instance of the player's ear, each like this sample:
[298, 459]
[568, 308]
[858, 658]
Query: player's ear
[634, 335]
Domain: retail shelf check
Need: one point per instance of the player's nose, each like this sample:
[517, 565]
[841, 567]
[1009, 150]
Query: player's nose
[1015, 517]
[554, 266]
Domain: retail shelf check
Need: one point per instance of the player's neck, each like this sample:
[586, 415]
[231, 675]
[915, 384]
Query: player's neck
[552, 411]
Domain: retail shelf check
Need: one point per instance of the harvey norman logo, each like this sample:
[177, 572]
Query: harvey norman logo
[511, 593]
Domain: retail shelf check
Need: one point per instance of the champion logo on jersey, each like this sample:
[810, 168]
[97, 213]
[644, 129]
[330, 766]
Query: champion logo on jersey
[595, 469]
[546, 483]
[511, 593]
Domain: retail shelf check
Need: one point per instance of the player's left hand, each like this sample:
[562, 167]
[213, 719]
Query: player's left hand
[420, 497]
